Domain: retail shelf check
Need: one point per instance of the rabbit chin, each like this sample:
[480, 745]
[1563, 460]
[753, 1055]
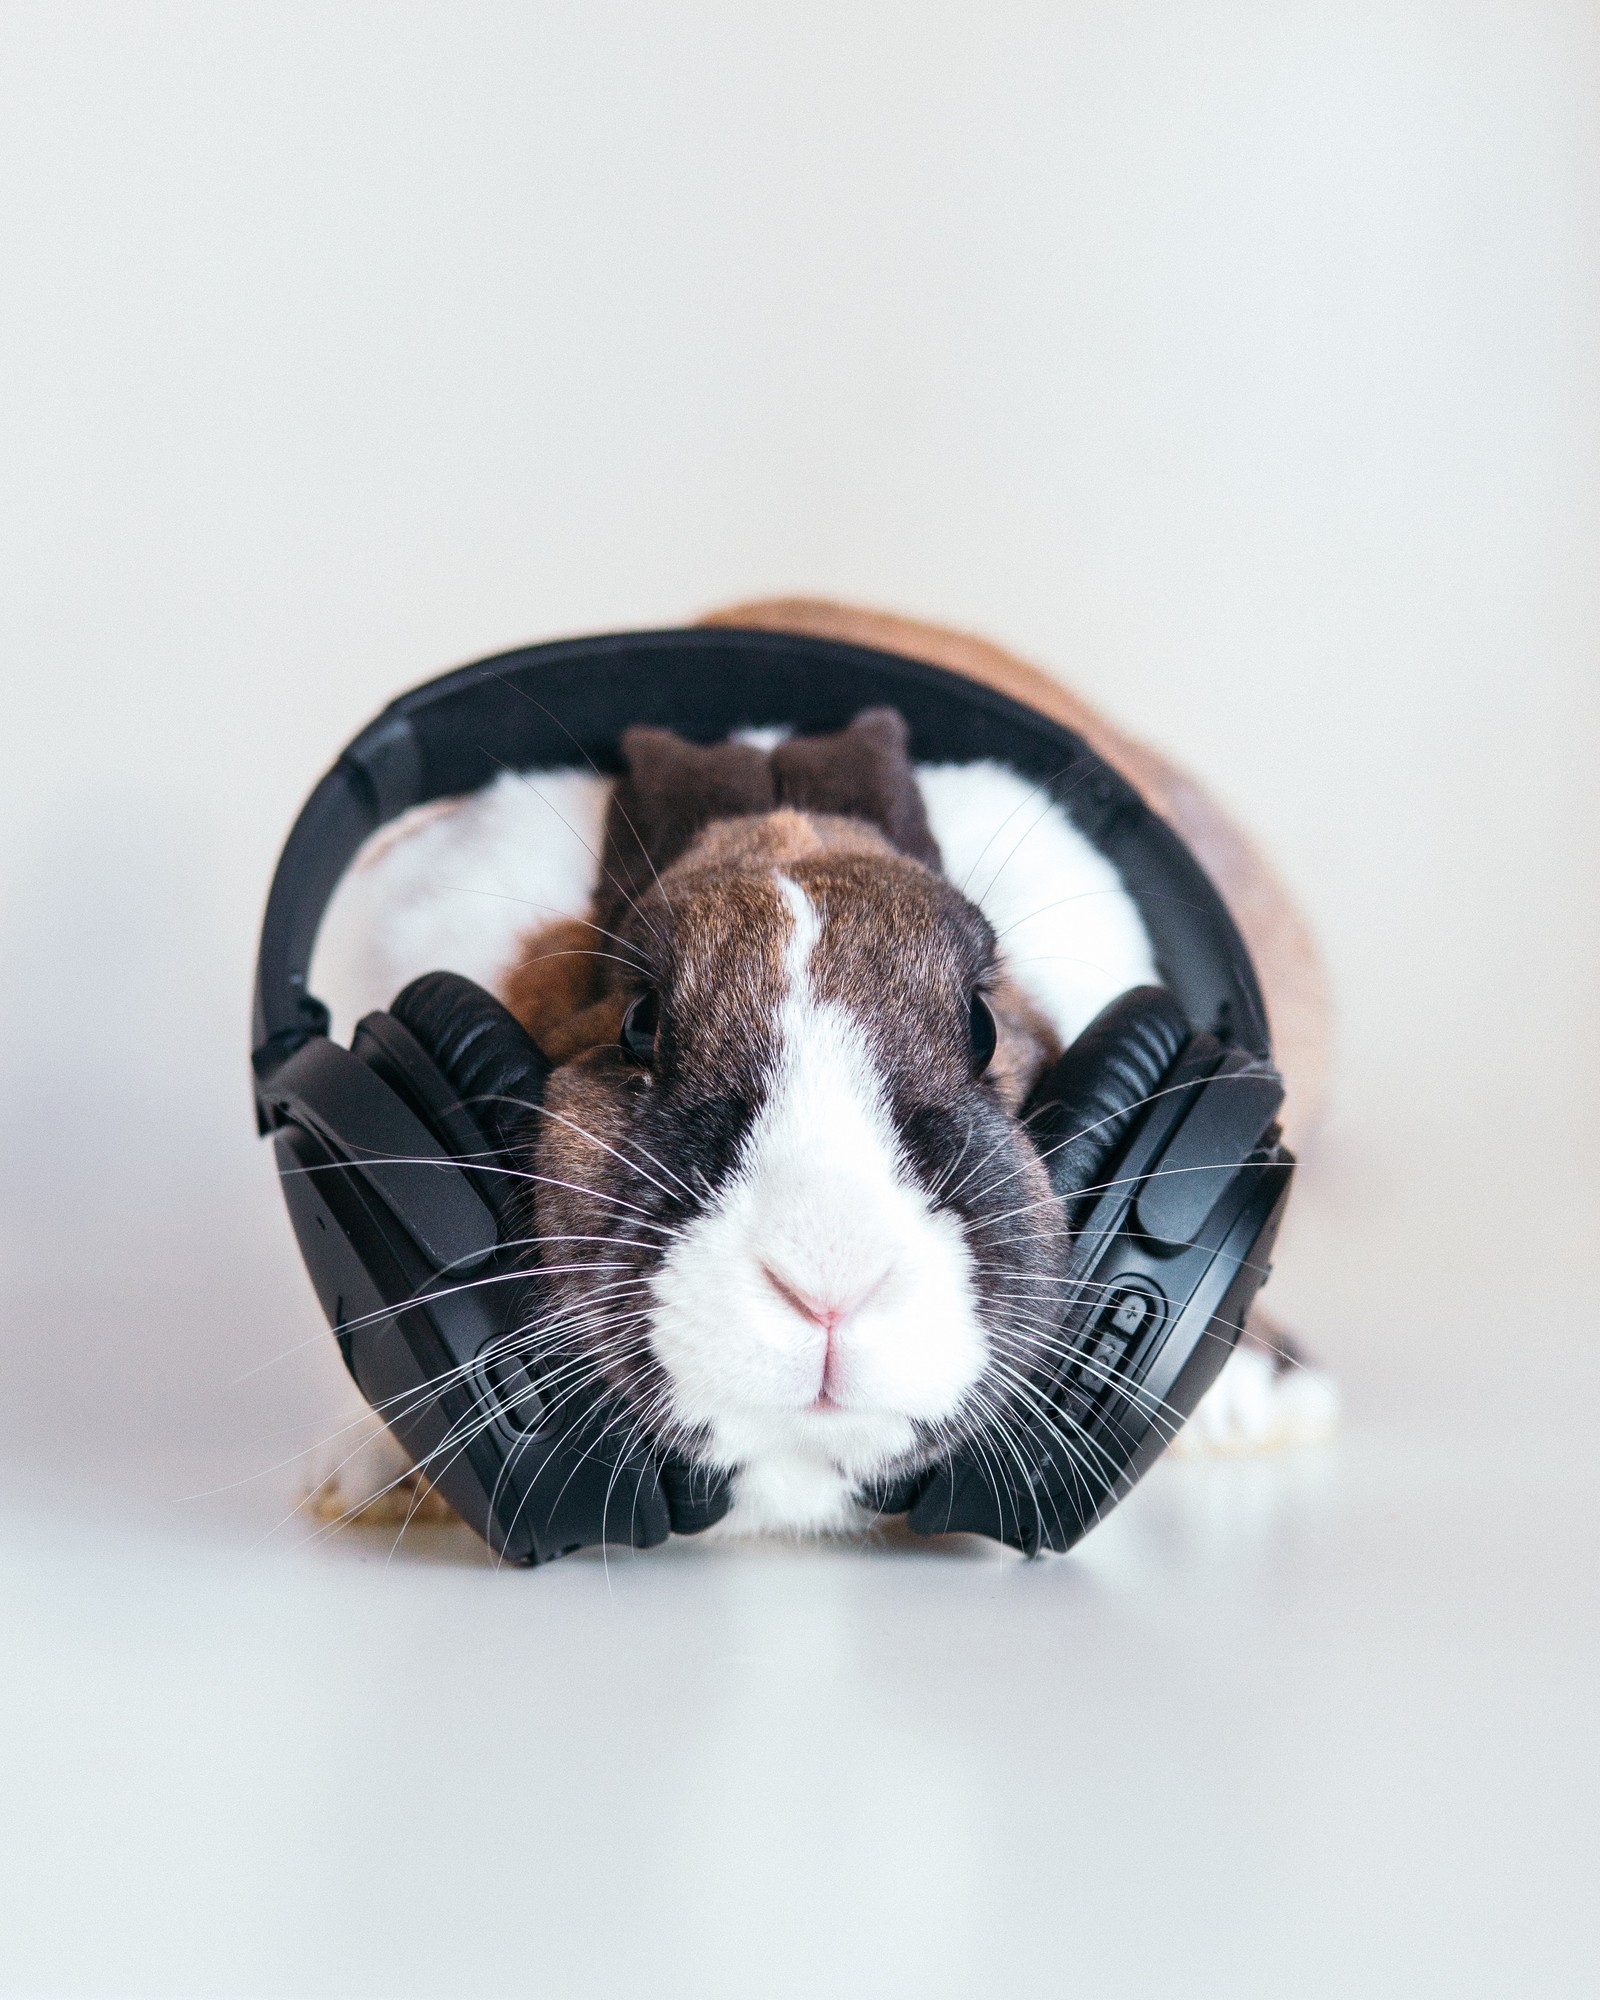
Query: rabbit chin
[803, 1414]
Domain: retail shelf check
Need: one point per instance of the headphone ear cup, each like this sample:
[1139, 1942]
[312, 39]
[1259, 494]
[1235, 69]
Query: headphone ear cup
[495, 1066]
[1085, 1106]
[499, 1072]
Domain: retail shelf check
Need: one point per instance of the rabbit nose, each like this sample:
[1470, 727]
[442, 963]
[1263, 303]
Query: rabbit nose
[825, 1311]
[828, 1313]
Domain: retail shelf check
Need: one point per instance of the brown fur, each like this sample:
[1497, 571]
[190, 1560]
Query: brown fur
[569, 993]
[672, 789]
[821, 851]
[738, 812]
[864, 771]
[556, 990]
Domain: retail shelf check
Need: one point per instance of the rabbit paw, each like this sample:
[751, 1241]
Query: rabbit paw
[1267, 1398]
[367, 1478]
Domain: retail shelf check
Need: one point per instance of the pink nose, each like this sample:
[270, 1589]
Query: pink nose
[821, 1313]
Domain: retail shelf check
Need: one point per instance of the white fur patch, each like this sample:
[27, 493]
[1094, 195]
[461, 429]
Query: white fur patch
[362, 1471]
[819, 1304]
[1255, 1406]
[1070, 934]
[454, 886]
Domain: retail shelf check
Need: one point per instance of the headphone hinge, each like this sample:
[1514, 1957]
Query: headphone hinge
[385, 760]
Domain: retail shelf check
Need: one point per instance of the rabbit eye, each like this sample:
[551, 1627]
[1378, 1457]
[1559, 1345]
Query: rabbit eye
[639, 1024]
[984, 1034]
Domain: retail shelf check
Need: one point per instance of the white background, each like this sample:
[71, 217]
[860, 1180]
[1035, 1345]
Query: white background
[1238, 362]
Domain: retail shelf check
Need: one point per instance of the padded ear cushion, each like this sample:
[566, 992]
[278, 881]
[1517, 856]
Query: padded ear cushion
[1084, 1107]
[481, 1049]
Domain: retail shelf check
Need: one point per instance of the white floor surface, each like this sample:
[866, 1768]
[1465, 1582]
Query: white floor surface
[1322, 1724]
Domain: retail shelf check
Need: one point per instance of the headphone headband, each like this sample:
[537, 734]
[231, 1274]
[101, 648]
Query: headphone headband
[571, 699]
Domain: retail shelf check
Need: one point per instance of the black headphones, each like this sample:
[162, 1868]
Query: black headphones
[398, 1155]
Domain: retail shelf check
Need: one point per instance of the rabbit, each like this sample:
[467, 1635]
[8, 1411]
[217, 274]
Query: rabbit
[822, 1247]
[818, 1245]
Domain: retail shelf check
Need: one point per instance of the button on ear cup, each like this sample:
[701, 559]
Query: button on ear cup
[484, 1051]
[1084, 1107]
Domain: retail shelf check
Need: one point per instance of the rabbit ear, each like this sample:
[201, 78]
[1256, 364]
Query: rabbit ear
[864, 772]
[674, 788]
[671, 790]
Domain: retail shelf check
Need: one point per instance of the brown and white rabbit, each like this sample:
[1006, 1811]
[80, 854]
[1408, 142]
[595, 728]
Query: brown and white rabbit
[797, 996]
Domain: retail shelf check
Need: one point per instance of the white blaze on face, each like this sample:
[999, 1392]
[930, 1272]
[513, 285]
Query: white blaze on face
[820, 1303]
